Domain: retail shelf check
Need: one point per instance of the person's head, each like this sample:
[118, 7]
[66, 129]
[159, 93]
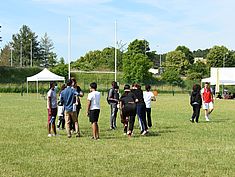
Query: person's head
[52, 85]
[207, 85]
[114, 84]
[147, 87]
[93, 86]
[63, 87]
[69, 82]
[196, 88]
[127, 88]
[74, 82]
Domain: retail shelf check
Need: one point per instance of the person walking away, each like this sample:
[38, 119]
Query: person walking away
[207, 100]
[93, 109]
[113, 97]
[196, 102]
[67, 98]
[148, 97]
[52, 109]
[128, 110]
[60, 113]
[140, 108]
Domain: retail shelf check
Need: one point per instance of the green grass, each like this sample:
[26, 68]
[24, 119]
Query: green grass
[175, 147]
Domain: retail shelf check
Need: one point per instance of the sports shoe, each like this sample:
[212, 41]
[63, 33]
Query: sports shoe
[49, 135]
[144, 132]
[207, 118]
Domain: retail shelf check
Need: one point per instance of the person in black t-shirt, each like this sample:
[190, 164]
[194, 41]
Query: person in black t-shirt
[128, 109]
[196, 102]
[113, 97]
[140, 108]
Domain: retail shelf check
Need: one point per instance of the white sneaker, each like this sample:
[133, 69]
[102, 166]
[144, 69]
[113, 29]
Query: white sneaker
[144, 132]
[49, 135]
[207, 119]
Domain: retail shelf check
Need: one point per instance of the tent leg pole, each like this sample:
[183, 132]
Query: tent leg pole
[37, 89]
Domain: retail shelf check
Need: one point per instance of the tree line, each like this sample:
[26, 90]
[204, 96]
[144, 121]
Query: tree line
[134, 61]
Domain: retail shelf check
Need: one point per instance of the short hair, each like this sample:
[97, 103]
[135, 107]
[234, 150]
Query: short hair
[114, 84]
[207, 83]
[74, 80]
[51, 84]
[93, 85]
[147, 87]
[69, 82]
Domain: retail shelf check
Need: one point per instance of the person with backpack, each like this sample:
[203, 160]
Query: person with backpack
[196, 102]
[112, 99]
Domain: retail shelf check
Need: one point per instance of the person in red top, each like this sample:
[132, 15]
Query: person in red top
[207, 100]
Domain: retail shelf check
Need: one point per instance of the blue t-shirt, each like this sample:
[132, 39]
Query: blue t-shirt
[67, 97]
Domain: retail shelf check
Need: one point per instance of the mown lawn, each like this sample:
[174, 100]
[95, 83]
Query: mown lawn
[174, 147]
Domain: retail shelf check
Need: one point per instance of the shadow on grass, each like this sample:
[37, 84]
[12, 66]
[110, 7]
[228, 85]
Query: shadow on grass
[214, 121]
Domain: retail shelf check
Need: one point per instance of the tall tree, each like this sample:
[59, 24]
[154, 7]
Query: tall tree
[21, 43]
[136, 62]
[188, 54]
[47, 54]
[5, 56]
[176, 60]
[220, 56]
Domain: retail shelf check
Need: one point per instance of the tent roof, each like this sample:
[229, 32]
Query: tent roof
[45, 75]
[225, 76]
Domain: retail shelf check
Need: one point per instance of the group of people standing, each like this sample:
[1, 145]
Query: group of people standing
[131, 103]
[201, 98]
[69, 106]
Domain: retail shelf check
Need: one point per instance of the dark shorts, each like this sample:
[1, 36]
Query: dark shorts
[94, 115]
[52, 115]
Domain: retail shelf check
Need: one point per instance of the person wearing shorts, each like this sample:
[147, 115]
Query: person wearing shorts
[93, 109]
[52, 109]
[207, 100]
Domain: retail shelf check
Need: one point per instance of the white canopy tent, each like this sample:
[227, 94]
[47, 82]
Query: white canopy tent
[44, 75]
[221, 76]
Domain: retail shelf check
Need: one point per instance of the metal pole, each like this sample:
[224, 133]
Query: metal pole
[31, 53]
[11, 54]
[69, 44]
[21, 64]
[115, 57]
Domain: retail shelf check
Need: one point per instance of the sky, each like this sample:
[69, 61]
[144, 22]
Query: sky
[165, 24]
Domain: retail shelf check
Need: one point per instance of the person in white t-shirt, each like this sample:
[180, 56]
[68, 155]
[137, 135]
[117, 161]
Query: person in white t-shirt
[148, 97]
[93, 109]
[52, 109]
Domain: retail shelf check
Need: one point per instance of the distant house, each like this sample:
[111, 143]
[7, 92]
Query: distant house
[201, 59]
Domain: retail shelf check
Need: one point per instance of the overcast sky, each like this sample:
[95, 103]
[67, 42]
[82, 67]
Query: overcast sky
[164, 23]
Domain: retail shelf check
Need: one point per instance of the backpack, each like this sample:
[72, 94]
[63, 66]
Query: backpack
[108, 101]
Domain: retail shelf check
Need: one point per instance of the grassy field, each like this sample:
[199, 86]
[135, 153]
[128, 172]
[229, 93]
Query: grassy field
[174, 147]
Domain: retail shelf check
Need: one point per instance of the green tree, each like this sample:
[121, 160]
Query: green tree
[5, 56]
[60, 69]
[172, 76]
[201, 53]
[220, 56]
[176, 60]
[135, 68]
[198, 71]
[188, 54]
[22, 40]
[47, 55]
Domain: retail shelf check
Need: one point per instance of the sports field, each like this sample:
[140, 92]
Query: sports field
[174, 146]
